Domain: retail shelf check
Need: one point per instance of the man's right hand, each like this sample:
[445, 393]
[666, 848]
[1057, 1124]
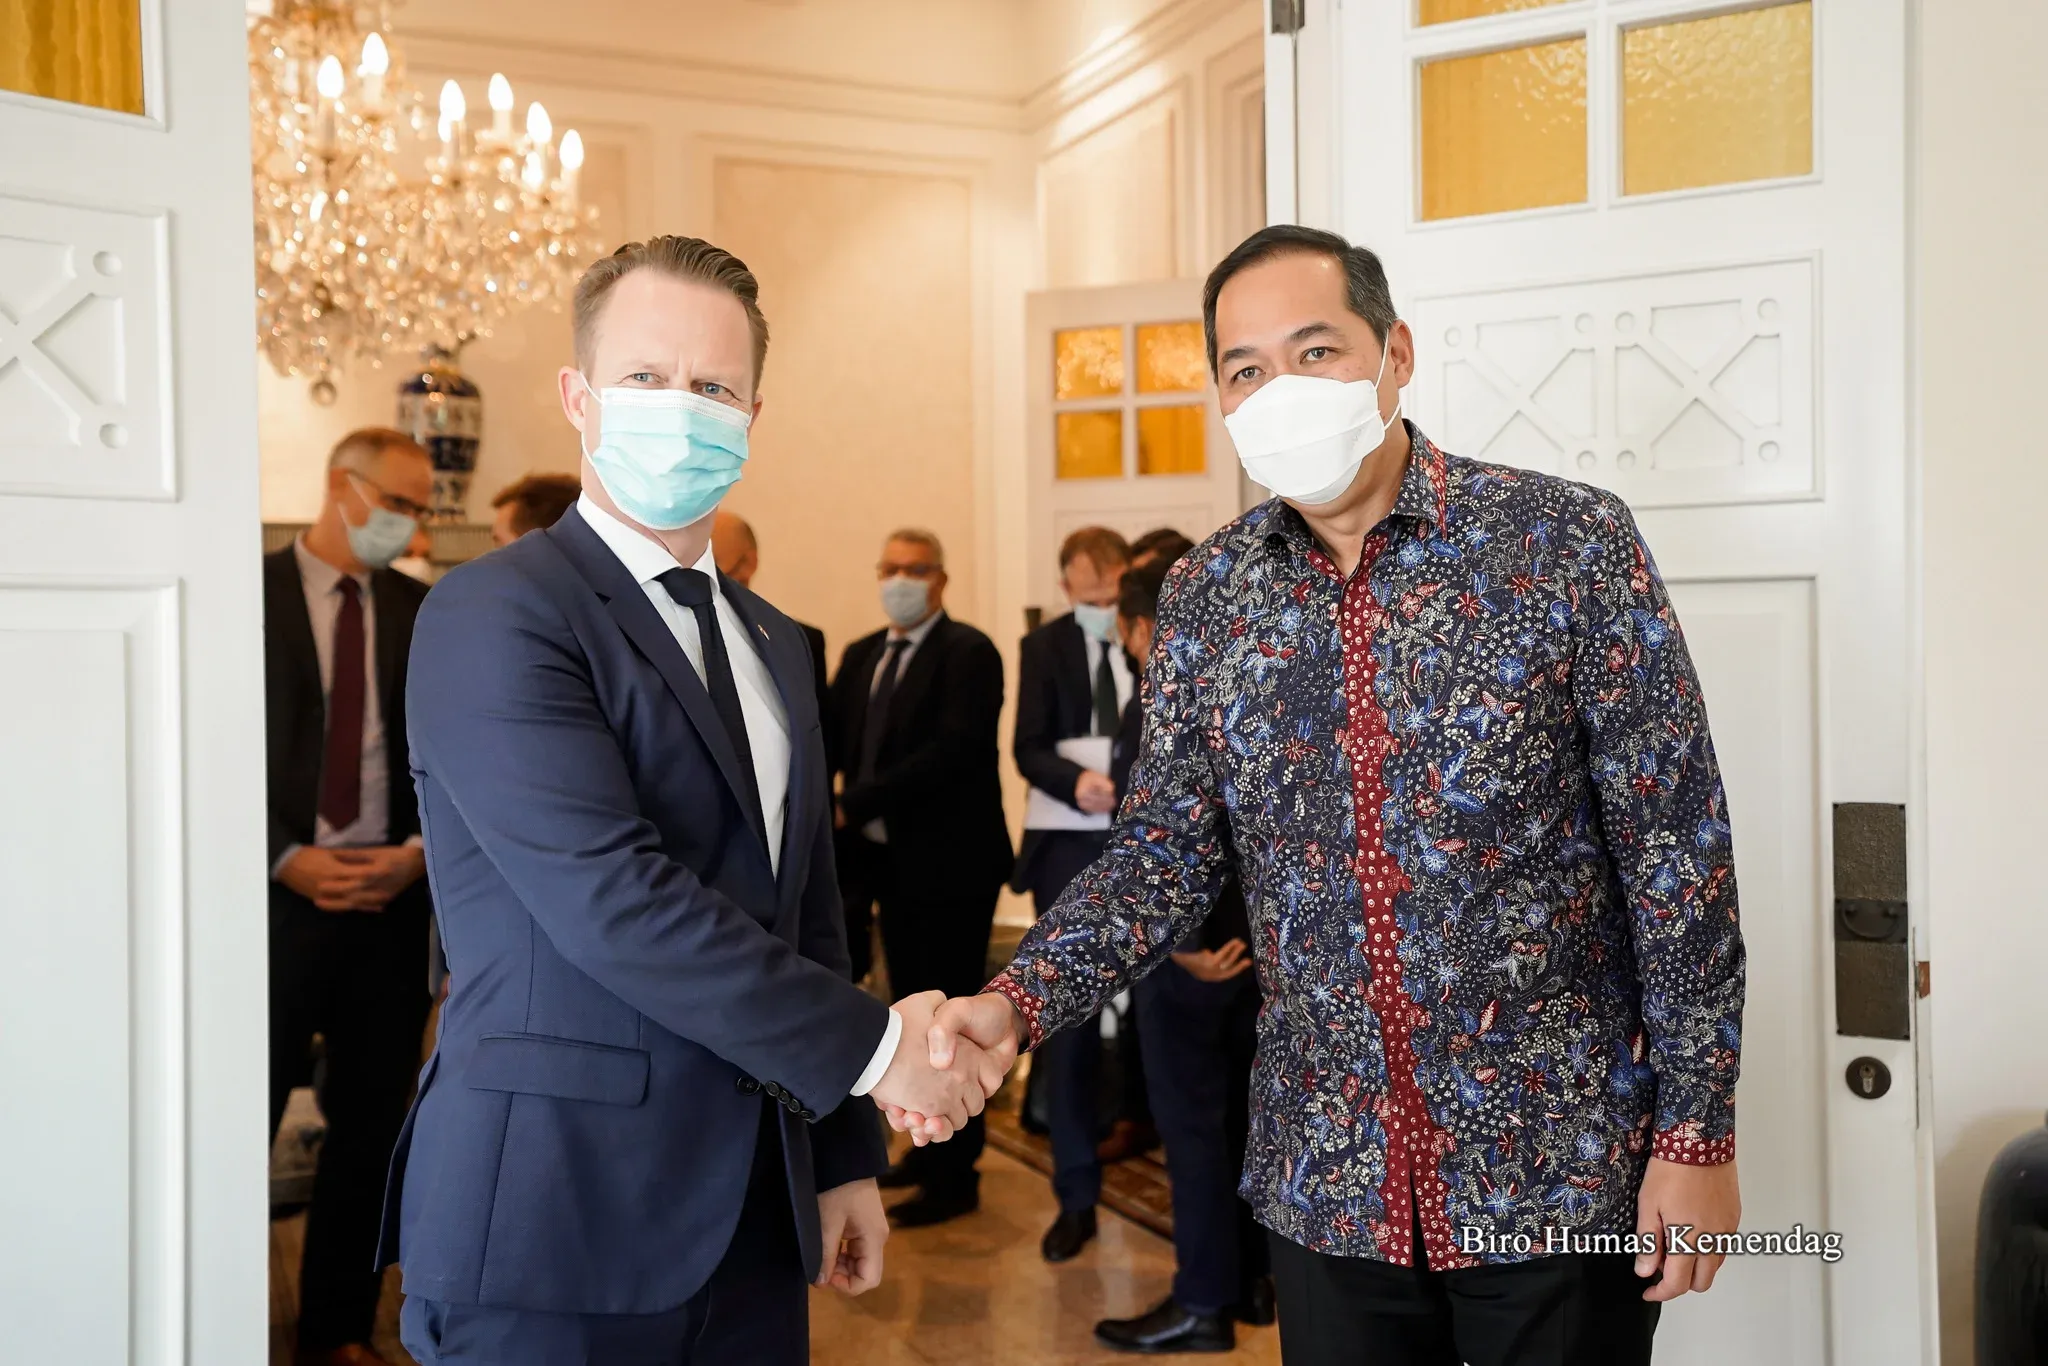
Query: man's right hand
[1219, 964]
[1094, 793]
[332, 879]
[982, 1032]
[942, 1098]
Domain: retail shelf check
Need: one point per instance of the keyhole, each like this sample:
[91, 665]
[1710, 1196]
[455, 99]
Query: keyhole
[1869, 1078]
[1868, 1075]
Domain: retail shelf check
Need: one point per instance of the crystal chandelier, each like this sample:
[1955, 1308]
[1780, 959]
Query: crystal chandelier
[380, 227]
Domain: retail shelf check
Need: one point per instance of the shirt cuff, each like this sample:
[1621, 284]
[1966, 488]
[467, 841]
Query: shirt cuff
[885, 1053]
[1028, 1006]
[282, 859]
[1683, 1146]
[415, 842]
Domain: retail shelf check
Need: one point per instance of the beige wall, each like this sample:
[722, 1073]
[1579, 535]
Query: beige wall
[1983, 342]
[867, 281]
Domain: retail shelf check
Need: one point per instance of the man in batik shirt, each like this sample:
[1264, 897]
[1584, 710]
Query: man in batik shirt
[1440, 719]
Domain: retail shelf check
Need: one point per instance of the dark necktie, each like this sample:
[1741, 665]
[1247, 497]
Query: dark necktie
[692, 588]
[1108, 716]
[341, 768]
[878, 710]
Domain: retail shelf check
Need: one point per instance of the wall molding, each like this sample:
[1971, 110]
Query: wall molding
[1082, 79]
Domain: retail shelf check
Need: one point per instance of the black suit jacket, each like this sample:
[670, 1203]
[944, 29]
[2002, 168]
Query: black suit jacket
[1055, 702]
[936, 784]
[815, 638]
[296, 702]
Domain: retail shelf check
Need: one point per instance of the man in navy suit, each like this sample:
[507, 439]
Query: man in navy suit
[635, 1140]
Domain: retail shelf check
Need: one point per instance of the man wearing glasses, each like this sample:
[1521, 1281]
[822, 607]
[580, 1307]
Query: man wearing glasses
[912, 728]
[348, 902]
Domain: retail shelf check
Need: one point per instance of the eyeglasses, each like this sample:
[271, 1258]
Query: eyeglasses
[391, 502]
[885, 570]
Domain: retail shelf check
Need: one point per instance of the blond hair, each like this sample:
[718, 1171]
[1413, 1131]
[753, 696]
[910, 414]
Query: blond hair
[685, 258]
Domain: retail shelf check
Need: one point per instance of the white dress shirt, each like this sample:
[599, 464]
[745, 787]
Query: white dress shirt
[760, 702]
[372, 825]
[874, 829]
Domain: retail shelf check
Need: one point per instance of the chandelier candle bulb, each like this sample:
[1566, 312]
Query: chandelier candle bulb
[376, 63]
[501, 108]
[328, 85]
[540, 129]
[572, 162]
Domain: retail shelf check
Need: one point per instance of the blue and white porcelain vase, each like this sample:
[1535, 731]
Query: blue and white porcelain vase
[443, 410]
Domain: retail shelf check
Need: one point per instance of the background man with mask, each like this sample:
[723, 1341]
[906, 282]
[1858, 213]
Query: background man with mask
[348, 908]
[913, 720]
[635, 1141]
[1439, 719]
[738, 553]
[1073, 682]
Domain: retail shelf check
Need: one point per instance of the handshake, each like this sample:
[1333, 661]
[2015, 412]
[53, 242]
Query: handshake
[950, 1059]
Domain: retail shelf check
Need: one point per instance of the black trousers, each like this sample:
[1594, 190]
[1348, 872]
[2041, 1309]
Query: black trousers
[934, 938]
[359, 980]
[1068, 1065]
[1199, 1038]
[1566, 1310]
[754, 1309]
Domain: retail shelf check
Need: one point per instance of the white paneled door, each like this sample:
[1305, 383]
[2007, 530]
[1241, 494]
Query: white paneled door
[1124, 431]
[132, 1191]
[1659, 245]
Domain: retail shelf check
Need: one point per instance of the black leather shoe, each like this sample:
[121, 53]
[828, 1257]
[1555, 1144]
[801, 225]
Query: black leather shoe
[1168, 1328]
[933, 1207]
[898, 1177]
[1259, 1304]
[1068, 1235]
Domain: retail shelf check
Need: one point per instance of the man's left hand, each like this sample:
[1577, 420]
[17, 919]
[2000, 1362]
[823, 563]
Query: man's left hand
[853, 1229]
[378, 874]
[1707, 1199]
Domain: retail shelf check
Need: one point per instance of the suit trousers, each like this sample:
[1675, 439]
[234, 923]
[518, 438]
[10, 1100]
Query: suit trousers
[754, 1309]
[1069, 1064]
[359, 981]
[1564, 1310]
[933, 939]
[1199, 1038]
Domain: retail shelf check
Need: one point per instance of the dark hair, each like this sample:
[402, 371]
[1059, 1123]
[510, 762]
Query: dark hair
[1366, 291]
[1104, 549]
[1138, 597]
[685, 258]
[539, 500]
[1163, 544]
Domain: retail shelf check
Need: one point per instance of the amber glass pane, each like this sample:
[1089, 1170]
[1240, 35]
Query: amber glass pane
[1171, 359]
[81, 51]
[1504, 130]
[1444, 11]
[1091, 445]
[1088, 362]
[1710, 101]
[1170, 440]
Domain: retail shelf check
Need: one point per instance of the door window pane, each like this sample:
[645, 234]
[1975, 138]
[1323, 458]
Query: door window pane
[80, 51]
[1170, 440]
[1088, 362]
[1171, 358]
[1445, 11]
[1504, 130]
[1712, 101]
[1090, 445]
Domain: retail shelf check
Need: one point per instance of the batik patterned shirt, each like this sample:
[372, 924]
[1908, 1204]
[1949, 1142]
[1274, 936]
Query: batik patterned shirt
[1472, 801]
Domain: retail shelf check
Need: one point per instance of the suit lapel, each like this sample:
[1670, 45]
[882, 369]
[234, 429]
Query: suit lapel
[390, 651]
[788, 660]
[917, 675]
[627, 602]
[293, 627]
[1074, 643]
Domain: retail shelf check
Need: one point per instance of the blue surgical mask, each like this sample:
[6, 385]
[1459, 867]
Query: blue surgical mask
[667, 456]
[905, 601]
[384, 534]
[1099, 623]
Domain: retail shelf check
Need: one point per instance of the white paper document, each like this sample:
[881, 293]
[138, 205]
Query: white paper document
[1045, 812]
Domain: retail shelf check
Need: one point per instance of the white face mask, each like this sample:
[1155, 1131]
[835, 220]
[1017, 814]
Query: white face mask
[905, 601]
[1304, 437]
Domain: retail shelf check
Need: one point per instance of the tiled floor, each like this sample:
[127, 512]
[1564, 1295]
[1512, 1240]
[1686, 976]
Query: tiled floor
[973, 1291]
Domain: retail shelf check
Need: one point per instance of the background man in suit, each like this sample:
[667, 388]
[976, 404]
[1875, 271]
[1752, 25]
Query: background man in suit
[348, 909]
[1073, 679]
[634, 1141]
[914, 714]
[1198, 1027]
[738, 553]
[532, 503]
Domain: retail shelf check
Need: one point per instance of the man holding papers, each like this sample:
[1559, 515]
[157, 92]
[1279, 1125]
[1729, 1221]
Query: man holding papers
[1073, 682]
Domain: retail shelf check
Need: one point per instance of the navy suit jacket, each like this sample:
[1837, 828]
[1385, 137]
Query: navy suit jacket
[632, 980]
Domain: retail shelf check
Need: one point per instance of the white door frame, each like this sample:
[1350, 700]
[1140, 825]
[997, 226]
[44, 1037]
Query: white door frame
[1312, 111]
[133, 993]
